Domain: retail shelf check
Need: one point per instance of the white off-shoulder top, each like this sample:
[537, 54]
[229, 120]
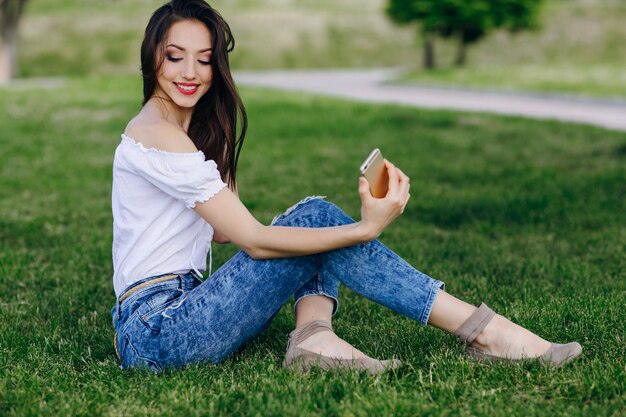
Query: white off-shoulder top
[155, 229]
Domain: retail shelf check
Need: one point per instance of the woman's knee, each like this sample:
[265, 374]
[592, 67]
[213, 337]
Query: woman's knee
[313, 212]
[330, 213]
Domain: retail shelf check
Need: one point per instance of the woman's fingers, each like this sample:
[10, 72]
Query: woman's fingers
[399, 184]
[364, 189]
[402, 175]
[392, 173]
[404, 186]
[404, 182]
[403, 179]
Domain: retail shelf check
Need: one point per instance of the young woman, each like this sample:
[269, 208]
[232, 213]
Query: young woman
[174, 191]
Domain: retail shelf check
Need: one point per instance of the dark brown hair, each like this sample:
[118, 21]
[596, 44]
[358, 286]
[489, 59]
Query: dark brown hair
[213, 127]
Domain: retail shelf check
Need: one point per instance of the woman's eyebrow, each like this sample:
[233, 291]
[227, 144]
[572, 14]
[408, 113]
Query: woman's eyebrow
[183, 49]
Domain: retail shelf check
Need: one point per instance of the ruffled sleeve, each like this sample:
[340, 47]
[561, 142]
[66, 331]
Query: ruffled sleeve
[187, 177]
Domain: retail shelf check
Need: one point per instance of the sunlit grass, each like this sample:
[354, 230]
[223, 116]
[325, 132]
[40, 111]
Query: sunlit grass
[601, 80]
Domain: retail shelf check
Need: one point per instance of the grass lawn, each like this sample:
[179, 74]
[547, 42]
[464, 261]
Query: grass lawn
[525, 215]
[607, 81]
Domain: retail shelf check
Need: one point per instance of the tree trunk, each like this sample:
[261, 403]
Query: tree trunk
[429, 50]
[461, 52]
[8, 58]
[10, 14]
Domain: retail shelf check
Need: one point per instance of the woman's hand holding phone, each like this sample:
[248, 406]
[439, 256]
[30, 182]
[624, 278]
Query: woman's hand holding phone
[378, 213]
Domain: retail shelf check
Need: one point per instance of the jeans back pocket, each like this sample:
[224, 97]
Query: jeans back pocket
[132, 357]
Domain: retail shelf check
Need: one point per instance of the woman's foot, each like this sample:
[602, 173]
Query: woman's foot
[314, 344]
[503, 338]
[327, 343]
[489, 336]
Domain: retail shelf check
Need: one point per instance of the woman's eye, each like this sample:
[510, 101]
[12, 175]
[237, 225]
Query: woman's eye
[204, 62]
[172, 59]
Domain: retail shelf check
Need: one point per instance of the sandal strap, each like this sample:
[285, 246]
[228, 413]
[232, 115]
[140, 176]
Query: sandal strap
[300, 334]
[475, 324]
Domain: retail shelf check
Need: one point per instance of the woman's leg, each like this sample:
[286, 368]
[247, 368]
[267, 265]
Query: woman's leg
[327, 343]
[317, 300]
[314, 307]
[501, 337]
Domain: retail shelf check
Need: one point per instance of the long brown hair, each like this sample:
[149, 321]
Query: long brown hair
[213, 127]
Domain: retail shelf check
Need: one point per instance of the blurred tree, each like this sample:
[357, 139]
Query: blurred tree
[422, 11]
[467, 21]
[10, 13]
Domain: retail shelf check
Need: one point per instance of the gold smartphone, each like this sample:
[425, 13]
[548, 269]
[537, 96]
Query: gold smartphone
[374, 170]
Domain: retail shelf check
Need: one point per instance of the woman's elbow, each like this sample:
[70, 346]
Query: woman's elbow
[257, 253]
[253, 249]
[252, 243]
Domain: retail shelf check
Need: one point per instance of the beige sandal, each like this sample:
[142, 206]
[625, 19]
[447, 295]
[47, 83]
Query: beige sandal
[304, 360]
[557, 354]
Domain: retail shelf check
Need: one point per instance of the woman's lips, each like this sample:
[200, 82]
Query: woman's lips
[187, 88]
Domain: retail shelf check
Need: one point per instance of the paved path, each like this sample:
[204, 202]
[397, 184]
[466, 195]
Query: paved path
[372, 86]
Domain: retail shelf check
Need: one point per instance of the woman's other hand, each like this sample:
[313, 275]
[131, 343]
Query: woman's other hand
[378, 213]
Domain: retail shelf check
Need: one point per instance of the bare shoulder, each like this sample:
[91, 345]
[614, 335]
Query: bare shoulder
[159, 134]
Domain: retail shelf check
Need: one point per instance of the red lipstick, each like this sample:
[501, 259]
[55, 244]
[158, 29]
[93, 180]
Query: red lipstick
[187, 89]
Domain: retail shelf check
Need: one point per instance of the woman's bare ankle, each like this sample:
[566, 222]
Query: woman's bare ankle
[314, 307]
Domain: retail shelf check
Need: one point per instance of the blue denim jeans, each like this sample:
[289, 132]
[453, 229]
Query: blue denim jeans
[183, 320]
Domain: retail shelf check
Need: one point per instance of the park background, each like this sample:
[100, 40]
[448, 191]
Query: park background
[525, 215]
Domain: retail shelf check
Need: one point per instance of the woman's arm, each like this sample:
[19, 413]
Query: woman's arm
[231, 220]
[217, 236]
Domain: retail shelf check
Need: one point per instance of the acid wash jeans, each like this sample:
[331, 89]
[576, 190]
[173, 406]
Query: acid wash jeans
[183, 320]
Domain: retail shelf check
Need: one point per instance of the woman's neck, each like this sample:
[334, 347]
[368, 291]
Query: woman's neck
[170, 112]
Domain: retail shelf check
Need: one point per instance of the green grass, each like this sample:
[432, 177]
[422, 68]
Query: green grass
[579, 49]
[525, 215]
[563, 78]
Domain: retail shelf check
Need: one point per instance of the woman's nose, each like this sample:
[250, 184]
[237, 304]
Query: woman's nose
[189, 71]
